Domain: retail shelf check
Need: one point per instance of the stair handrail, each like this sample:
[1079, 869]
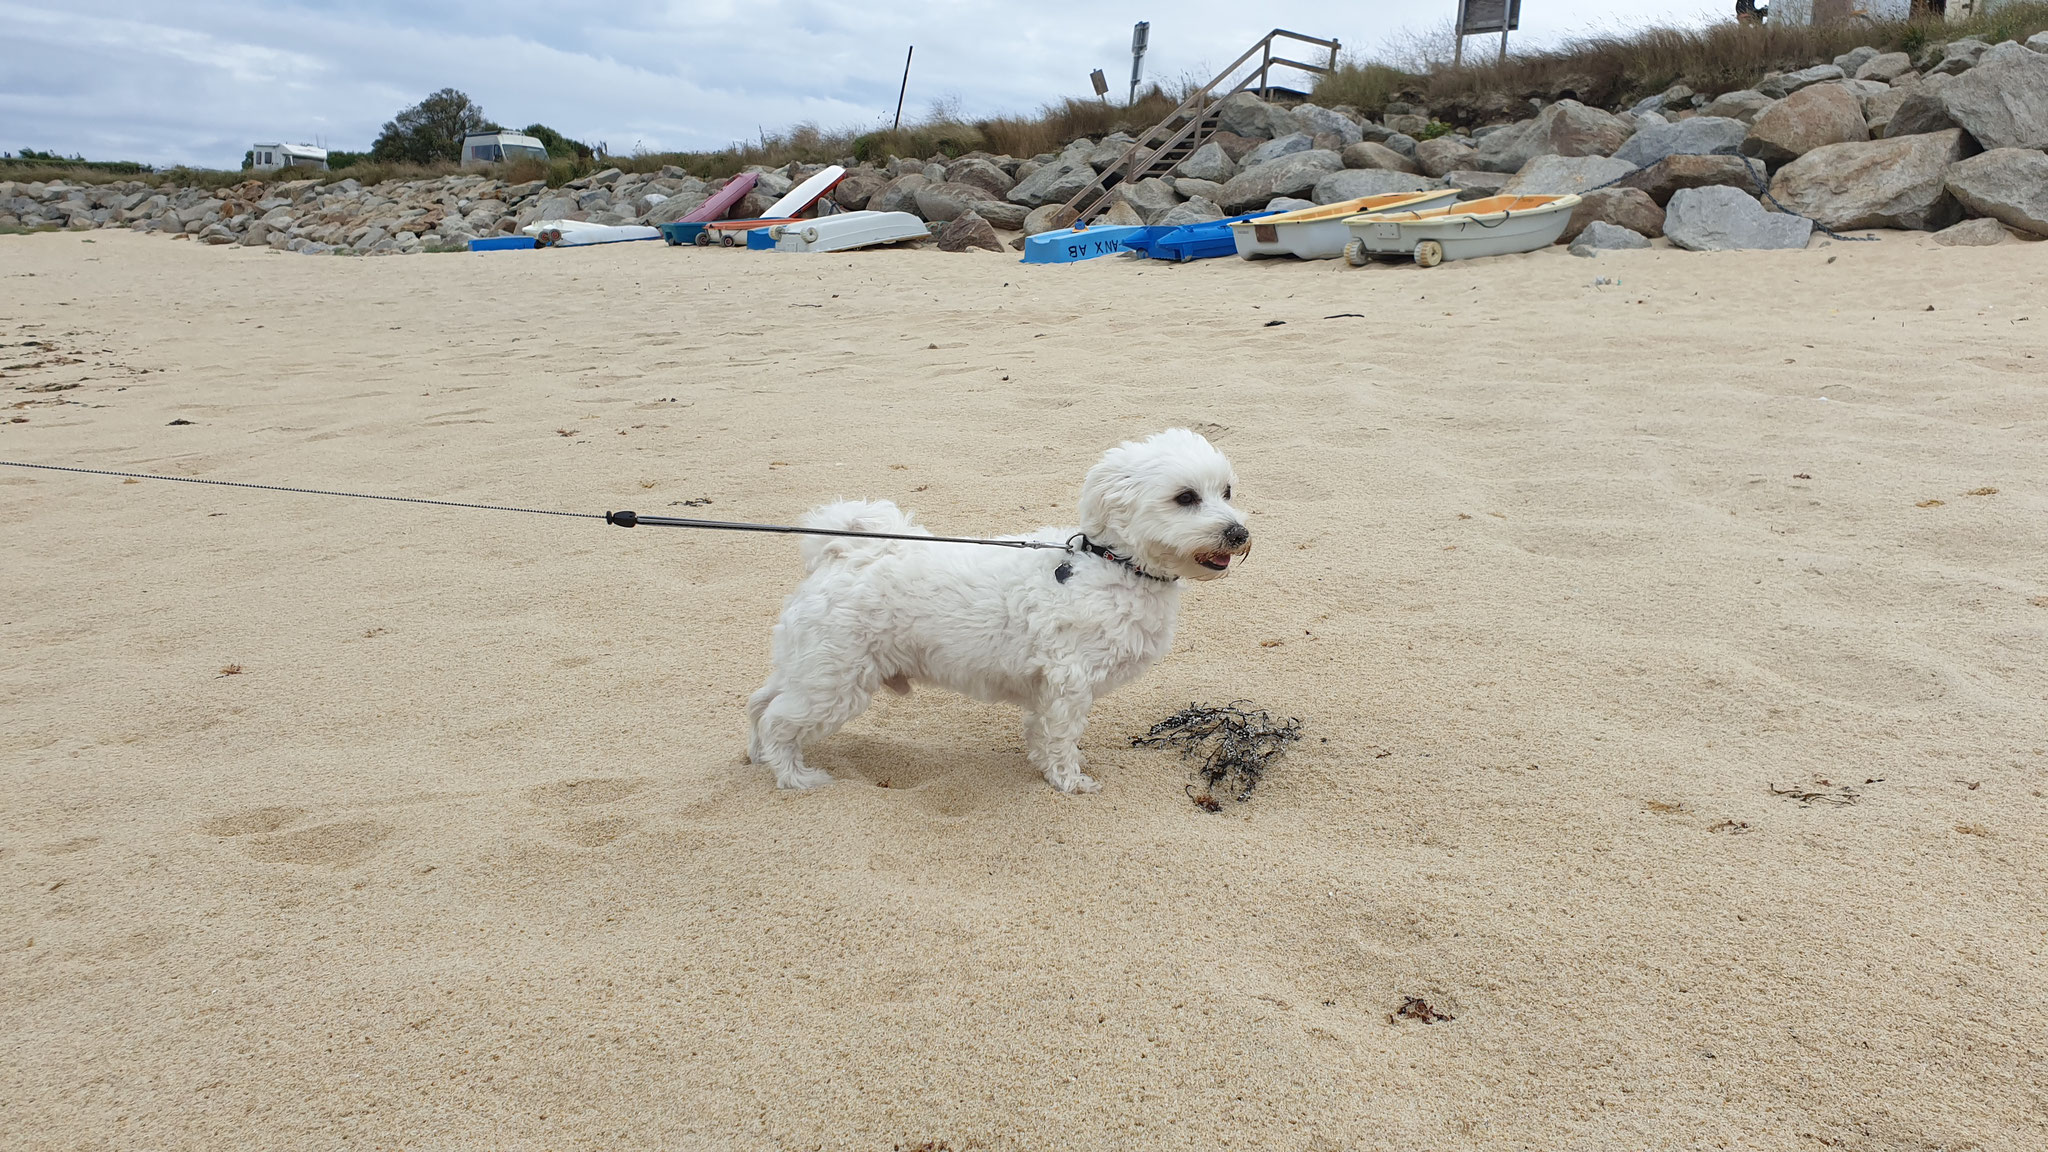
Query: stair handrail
[1199, 100]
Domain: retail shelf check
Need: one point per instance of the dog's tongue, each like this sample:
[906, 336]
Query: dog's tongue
[1213, 559]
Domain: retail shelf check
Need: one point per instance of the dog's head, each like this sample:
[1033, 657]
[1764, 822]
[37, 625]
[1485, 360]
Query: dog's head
[1164, 503]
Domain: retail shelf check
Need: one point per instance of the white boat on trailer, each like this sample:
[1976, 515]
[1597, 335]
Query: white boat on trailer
[1319, 233]
[1493, 226]
[847, 230]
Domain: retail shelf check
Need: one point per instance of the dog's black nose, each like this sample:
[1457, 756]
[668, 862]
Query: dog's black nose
[1236, 535]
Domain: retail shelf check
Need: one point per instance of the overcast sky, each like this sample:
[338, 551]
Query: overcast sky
[198, 81]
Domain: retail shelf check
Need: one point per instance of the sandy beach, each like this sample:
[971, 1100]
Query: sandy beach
[338, 823]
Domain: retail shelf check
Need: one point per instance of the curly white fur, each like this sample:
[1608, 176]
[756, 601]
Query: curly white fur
[998, 624]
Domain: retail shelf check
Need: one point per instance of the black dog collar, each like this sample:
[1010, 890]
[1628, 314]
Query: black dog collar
[1066, 571]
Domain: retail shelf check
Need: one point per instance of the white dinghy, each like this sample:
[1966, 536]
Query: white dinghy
[846, 231]
[1494, 226]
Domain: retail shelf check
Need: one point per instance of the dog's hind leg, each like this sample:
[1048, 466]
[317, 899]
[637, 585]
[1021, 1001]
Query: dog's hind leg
[757, 704]
[809, 708]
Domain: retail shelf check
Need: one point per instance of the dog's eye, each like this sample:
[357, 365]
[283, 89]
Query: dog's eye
[1188, 498]
[1226, 493]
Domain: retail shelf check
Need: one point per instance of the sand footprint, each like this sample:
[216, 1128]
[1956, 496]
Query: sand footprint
[590, 831]
[252, 820]
[333, 845]
[578, 793]
[595, 832]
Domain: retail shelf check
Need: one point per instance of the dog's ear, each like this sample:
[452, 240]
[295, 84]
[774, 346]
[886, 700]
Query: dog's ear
[1111, 491]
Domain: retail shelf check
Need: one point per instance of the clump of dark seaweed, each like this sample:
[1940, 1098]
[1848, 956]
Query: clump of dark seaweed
[1230, 745]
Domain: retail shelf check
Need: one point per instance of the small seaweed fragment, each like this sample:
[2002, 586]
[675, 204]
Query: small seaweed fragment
[1416, 1008]
[1231, 745]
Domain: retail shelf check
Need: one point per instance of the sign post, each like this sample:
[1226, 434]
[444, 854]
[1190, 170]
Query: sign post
[1483, 17]
[1140, 36]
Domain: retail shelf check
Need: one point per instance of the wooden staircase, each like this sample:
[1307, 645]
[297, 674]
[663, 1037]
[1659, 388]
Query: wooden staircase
[1160, 149]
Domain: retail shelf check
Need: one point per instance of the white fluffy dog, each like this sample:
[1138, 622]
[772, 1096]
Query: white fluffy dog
[1046, 630]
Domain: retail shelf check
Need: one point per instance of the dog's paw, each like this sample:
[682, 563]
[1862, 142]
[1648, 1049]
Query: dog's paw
[1074, 784]
[803, 780]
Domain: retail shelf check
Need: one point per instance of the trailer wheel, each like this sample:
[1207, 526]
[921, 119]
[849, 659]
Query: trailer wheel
[1354, 254]
[703, 240]
[810, 235]
[1429, 253]
[729, 240]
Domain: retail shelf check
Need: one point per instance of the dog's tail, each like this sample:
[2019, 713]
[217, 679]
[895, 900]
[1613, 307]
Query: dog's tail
[854, 516]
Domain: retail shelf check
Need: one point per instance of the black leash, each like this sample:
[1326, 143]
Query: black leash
[619, 519]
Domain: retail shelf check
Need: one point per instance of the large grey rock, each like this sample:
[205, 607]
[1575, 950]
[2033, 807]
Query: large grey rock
[1813, 117]
[900, 194]
[1561, 175]
[1441, 155]
[1744, 104]
[1366, 154]
[674, 208]
[2009, 185]
[1002, 214]
[1875, 183]
[1721, 219]
[1566, 128]
[1473, 184]
[1209, 162]
[983, 173]
[1277, 147]
[1601, 236]
[1111, 148]
[1351, 183]
[1923, 110]
[1196, 211]
[772, 182]
[1190, 188]
[559, 208]
[1316, 121]
[1865, 91]
[1121, 213]
[1234, 146]
[1790, 82]
[853, 192]
[1979, 233]
[1878, 110]
[1288, 204]
[1048, 218]
[1961, 55]
[1151, 197]
[2003, 101]
[1667, 176]
[1884, 67]
[1403, 143]
[1056, 183]
[1288, 176]
[968, 231]
[2038, 42]
[1247, 115]
[1699, 135]
[1629, 208]
[1855, 58]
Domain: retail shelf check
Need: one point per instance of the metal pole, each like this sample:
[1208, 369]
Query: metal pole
[1458, 52]
[902, 90]
[1503, 38]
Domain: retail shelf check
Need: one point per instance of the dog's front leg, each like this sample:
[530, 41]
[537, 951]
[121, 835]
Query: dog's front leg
[1063, 716]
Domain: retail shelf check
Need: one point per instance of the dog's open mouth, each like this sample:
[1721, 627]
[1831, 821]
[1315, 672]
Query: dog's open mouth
[1214, 561]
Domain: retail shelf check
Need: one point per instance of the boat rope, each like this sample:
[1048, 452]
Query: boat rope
[618, 519]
